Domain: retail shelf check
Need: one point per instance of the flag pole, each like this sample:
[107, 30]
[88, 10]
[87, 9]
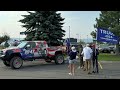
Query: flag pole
[69, 33]
[96, 42]
[94, 69]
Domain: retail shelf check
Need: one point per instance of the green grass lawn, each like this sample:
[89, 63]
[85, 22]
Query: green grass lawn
[108, 57]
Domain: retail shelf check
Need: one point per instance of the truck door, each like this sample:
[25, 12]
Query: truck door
[40, 50]
[43, 49]
[28, 50]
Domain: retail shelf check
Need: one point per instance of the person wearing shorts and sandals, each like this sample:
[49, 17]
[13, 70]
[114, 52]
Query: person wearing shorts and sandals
[72, 61]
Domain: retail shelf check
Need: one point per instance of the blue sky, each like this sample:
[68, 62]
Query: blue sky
[80, 22]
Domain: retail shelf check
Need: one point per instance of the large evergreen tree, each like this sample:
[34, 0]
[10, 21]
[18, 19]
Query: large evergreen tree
[93, 34]
[111, 21]
[44, 25]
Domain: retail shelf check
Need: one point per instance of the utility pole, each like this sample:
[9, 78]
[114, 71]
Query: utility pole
[69, 33]
[77, 37]
[87, 38]
[80, 38]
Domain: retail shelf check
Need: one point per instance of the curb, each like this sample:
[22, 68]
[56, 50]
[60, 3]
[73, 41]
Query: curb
[109, 61]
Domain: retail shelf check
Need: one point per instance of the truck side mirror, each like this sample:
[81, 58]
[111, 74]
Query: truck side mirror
[28, 46]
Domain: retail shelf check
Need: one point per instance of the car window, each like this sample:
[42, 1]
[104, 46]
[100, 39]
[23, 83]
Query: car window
[32, 44]
[22, 45]
[40, 45]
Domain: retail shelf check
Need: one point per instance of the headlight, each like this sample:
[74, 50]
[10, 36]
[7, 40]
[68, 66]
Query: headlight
[100, 48]
[3, 52]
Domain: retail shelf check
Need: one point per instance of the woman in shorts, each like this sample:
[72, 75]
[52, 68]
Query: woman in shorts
[72, 61]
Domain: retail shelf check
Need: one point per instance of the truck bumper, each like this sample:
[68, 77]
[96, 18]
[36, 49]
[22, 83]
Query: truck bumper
[2, 57]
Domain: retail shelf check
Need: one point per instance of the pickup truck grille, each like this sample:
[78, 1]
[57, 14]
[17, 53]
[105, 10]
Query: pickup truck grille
[1, 53]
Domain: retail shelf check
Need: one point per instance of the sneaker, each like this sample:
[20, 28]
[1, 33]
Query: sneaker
[97, 72]
[70, 73]
[93, 71]
[89, 73]
[79, 67]
[84, 70]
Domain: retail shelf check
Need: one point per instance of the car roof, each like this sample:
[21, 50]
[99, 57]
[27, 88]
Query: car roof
[33, 41]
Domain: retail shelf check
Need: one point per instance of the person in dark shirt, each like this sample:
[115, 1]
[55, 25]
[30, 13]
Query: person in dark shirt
[72, 61]
[15, 43]
[95, 59]
[81, 57]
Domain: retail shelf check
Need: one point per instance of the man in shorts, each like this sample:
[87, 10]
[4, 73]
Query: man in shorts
[87, 54]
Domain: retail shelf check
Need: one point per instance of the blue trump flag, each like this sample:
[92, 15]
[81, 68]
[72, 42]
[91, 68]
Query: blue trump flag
[68, 42]
[68, 45]
[105, 35]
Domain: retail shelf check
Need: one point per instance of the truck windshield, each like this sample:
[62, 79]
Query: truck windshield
[21, 45]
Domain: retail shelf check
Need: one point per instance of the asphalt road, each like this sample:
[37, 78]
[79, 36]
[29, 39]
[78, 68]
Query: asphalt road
[43, 70]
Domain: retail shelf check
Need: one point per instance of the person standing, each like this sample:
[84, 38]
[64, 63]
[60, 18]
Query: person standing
[87, 54]
[81, 57]
[15, 43]
[95, 59]
[72, 61]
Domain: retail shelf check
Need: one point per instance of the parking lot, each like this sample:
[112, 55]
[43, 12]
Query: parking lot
[42, 70]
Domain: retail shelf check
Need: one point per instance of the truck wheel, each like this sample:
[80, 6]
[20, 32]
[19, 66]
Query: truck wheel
[6, 63]
[16, 62]
[59, 59]
[111, 52]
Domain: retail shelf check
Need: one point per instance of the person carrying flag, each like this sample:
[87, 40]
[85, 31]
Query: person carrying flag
[95, 59]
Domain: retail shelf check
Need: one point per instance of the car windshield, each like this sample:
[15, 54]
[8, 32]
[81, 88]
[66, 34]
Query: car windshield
[21, 45]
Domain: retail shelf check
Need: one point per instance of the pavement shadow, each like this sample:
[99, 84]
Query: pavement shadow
[41, 66]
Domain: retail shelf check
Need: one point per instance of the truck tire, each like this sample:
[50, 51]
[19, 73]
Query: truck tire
[59, 59]
[16, 62]
[111, 52]
[6, 64]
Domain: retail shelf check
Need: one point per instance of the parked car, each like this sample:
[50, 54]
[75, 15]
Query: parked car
[104, 49]
[112, 49]
[107, 49]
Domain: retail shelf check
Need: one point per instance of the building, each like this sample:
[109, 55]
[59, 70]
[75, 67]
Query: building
[73, 42]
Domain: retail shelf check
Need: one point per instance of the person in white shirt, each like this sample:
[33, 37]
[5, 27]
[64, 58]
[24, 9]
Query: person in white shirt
[87, 55]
